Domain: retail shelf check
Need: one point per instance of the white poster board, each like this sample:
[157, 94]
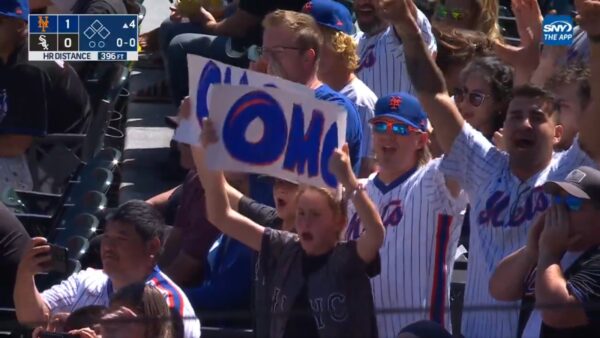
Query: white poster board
[268, 131]
[203, 73]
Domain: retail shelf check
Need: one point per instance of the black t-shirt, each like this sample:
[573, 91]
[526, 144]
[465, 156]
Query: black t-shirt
[583, 282]
[260, 8]
[13, 240]
[40, 97]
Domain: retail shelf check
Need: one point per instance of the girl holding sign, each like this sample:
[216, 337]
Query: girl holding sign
[309, 284]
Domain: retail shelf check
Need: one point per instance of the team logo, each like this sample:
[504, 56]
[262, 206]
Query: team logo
[19, 11]
[307, 7]
[395, 102]
[43, 23]
[43, 42]
[576, 176]
[558, 30]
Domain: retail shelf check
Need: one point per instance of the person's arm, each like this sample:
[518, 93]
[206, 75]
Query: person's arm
[29, 304]
[560, 309]
[219, 210]
[589, 138]
[426, 77]
[171, 249]
[549, 64]
[14, 145]
[370, 241]
[237, 25]
[161, 201]
[183, 269]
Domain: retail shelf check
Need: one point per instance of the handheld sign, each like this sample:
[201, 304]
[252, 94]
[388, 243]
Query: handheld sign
[204, 73]
[268, 131]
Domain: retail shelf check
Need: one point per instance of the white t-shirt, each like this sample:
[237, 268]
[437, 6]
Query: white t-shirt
[93, 287]
[502, 210]
[364, 99]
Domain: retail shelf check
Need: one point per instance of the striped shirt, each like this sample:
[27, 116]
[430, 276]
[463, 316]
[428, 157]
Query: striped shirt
[365, 100]
[93, 287]
[422, 221]
[502, 210]
[382, 64]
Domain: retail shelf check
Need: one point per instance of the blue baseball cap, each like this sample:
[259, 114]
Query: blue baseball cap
[331, 14]
[403, 107]
[15, 8]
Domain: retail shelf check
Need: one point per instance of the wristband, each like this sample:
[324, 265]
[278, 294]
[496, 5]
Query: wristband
[351, 193]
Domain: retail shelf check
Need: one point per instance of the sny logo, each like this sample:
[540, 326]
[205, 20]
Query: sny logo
[43, 23]
[558, 30]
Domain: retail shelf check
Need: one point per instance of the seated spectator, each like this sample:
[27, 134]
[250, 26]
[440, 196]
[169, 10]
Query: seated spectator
[130, 247]
[571, 87]
[476, 15]
[13, 242]
[61, 103]
[557, 270]
[337, 64]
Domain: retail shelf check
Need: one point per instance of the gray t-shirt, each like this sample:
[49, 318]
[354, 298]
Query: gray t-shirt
[339, 292]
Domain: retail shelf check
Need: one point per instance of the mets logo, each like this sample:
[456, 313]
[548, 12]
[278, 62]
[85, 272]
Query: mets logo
[43, 23]
[307, 8]
[395, 102]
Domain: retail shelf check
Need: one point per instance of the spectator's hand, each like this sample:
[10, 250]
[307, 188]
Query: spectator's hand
[588, 16]
[209, 133]
[36, 258]
[185, 108]
[498, 139]
[339, 165]
[205, 19]
[533, 238]
[402, 14]
[529, 19]
[85, 333]
[554, 239]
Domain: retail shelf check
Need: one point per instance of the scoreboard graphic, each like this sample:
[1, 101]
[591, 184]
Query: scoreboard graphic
[83, 37]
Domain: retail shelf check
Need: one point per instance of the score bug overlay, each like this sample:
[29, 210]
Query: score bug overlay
[83, 37]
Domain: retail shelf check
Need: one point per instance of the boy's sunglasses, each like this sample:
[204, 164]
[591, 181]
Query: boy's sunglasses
[397, 128]
[572, 203]
[455, 13]
[476, 99]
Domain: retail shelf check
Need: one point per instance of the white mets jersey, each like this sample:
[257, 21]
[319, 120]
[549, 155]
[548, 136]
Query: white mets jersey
[382, 66]
[364, 99]
[502, 210]
[423, 223]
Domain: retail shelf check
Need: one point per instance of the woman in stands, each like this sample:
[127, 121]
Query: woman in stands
[308, 284]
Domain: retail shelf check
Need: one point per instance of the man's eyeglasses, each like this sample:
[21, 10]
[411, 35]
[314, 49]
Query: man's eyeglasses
[476, 99]
[572, 203]
[455, 13]
[397, 128]
[256, 52]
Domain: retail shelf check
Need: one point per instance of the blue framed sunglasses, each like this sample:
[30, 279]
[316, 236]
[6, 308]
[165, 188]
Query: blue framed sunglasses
[572, 203]
[397, 128]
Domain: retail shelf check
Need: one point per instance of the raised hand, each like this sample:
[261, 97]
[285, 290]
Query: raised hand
[554, 239]
[209, 133]
[36, 258]
[589, 16]
[339, 165]
[401, 13]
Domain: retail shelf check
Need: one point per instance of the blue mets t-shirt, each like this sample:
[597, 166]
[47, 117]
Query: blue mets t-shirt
[353, 127]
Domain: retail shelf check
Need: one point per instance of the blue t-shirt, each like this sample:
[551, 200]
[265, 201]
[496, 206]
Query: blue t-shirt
[353, 127]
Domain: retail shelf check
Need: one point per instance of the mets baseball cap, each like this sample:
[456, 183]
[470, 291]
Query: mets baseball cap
[403, 107]
[331, 14]
[15, 8]
[583, 182]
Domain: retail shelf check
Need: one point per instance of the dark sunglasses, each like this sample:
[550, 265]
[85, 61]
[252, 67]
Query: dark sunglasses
[455, 13]
[397, 128]
[571, 202]
[476, 99]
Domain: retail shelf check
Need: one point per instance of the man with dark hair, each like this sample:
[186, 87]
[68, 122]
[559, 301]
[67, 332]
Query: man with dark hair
[130, 247]
[571, 86]
[505, 187]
